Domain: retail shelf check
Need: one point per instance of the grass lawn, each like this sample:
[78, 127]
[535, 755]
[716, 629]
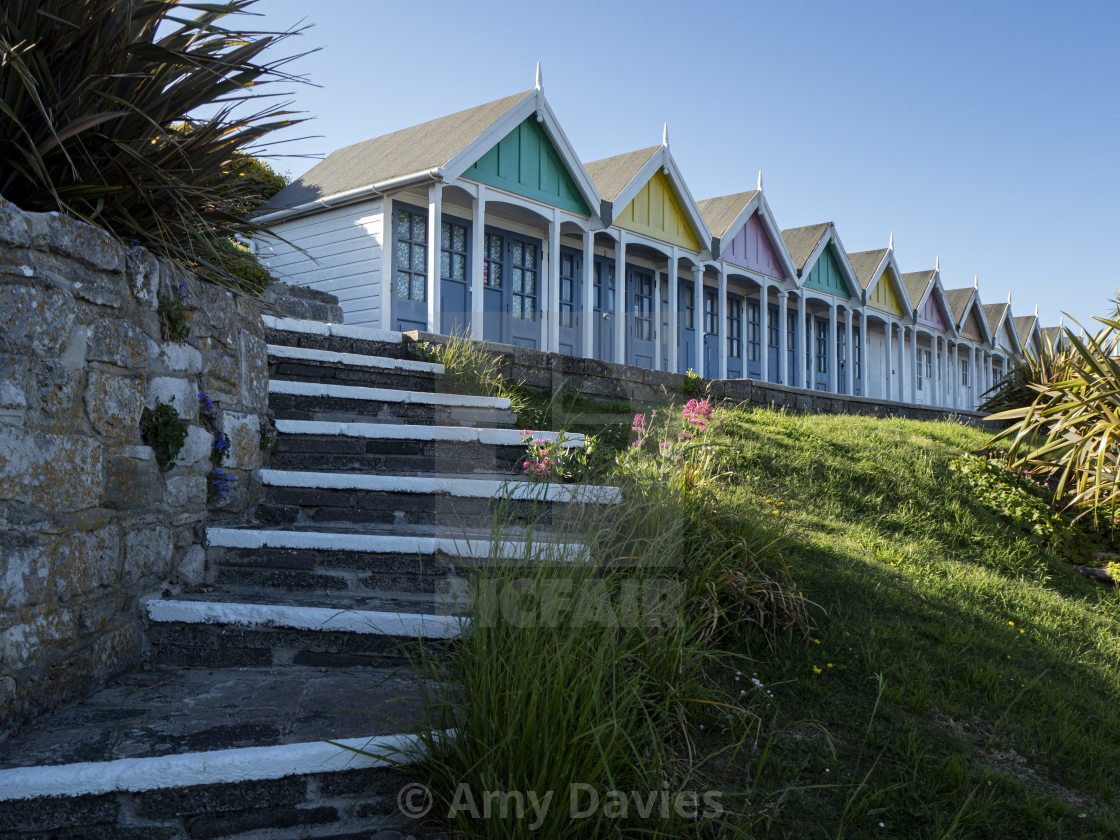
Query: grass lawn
[962, 680]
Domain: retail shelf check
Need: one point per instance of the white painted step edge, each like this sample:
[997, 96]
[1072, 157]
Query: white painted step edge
[388, 544]
[241, 764]
[299, 325]
[307, 354]
[468, 488]
[367, 622]
[355, 392]
[406, 431]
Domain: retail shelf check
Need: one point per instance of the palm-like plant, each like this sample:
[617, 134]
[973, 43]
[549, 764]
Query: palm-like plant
[1069, 432]
[139, 116]
[1049, 364]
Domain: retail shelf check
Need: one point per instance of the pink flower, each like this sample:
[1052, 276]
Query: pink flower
[665, 446]
[684, 436]
[639, 424]
[636, 444]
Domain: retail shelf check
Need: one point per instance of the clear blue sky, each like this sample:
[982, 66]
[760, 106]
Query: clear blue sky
[986, 132]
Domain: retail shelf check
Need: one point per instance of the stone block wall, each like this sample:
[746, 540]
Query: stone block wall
[88, 520]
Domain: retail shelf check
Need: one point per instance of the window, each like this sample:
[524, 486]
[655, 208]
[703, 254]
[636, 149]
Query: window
[822, 346]
[964, 373]
[689, 307]
[453, 254]
[523, 280]
[411, 233]
[791, 334]
[494, 253]
[772, 327]
[857, 354]
[711, 324]
[841, 350]
[734, 328]
[754, 352]
[568, 270]
[643, 306]
[929, 363]
[604, 292]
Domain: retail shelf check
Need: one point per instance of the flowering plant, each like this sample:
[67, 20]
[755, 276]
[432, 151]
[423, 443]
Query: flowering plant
[218, 485]
[559, 458]
[670, 451]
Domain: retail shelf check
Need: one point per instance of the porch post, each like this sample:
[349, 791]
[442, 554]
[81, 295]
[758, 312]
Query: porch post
[830, 351]
[849, 354]
[783, 337]
[973, 375]
[721, 319]
[863, 353]
[888, 328]
[800, 360]
[551, 338]
[478, 247]
[657, 325]
[388, 263]
[702, 332]
[435, 216]
[588, 292]
[915, 362]
[674, 315]
[763, 332]
[620, 312]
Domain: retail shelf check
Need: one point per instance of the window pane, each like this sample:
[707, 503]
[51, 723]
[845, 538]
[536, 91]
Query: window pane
[518, 251]
[402, 286]
[496, 275]
[402, 255]
[419, 288]
[517, 275]
[459, 238]
[515, 306]
[419, 257]
[531, 282]
[444, 235]
[404, 224]
[459, 267]
[530, 255]
[419, 228]
[444, 264]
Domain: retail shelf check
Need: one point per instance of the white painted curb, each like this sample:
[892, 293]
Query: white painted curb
[299, 325]
[304, 354]
[200, 768]
[467, 488]
[366, 622]
[390, 395]
[407, 431]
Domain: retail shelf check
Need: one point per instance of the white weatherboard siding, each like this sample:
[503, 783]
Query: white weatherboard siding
[306, 354]
[467, 488]
[389, 395]
[410, 431]
[367, 622]
[387, 544]
[344, 256]
[202, 768]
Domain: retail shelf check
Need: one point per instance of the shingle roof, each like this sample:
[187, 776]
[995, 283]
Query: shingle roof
[916, 283]
[1055, 334]
[802, 241]
[720, 213]
[611, 175]
[993, 313]
[958, 300]
[1024, 326]
[413, 149]
[864, 264]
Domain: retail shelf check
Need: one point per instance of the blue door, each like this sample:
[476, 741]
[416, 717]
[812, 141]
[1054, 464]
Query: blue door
[841, 361]
[820, 353]
[640, 332]
[493, 287]
[686, 326]
[571, 302]
[454, 290]
[410, 268]
[772, 343]
[754, 340]
[711, 336]
[663, 290]
[857, 360]
[791, 349]
[604, 309]
[511, 269]
[734, 337]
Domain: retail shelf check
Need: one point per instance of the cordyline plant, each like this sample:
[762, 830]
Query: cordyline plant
[139, 116]
[1049, 364]
[1069, 433]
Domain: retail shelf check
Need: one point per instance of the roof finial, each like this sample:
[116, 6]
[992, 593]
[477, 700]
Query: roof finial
[890, 247]
[1036, 310]
[937, 263]
[665, 135]
[1008, 297]
[976, 281]
[760, 180]
[540, 78]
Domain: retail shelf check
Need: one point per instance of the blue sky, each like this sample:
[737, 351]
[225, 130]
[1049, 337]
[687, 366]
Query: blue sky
[983, 132]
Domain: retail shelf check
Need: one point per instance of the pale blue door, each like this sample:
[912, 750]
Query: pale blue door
[454, 288]
[734, 337]
[571, 302]
[410, 268]
[711, 336]
[772, 344]
[494, 322]
[524, 292]
[754, 340]
[604, 309]
[640, 327]
[686, 329]
[820, 353]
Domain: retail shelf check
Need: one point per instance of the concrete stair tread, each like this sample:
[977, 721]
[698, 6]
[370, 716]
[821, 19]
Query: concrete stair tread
[300, 388]
[169, 710]
[351, 360]
[413, 431]
[320, 328]
[348, 608]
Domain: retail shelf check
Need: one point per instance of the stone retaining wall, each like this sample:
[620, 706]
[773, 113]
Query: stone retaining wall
[607, 381]
[88, 520]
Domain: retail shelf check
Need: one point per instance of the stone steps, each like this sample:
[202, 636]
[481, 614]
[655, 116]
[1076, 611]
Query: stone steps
[311, 365]
[171, 752]
[335, 338]
[296, 400]
[364, 563]
[402, 449]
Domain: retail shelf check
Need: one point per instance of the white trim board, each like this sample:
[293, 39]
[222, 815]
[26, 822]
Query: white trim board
[477, 549]
[467, 488]
[300, 325]
[202, 768]
[411, 431]
[306, 354]
[366, 622]
[389, 395]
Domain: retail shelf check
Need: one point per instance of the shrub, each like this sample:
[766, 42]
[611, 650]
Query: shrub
[161, 429]
[103, 105]
[1010, 492]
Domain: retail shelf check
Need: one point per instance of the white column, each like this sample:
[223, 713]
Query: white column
[954, 376]
[721, 320]
[702, 331]
[657, 326]
[622, 318]
[863, 353]
[588, 294]
[936, 339]
[551, 339]
[973, 374]
[763, 331]
[388, 264]
[435, 215]
[830, 351]
[799, 356]
[850, 363]
[674, 315]
[478, 248]
[783, 337]
[888, 328]
[904, 383]
[915, 362]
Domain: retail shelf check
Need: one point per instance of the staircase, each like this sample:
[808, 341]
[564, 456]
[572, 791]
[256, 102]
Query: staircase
[377, 505]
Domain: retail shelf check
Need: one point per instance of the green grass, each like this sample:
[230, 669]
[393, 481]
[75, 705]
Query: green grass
[969, 677]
